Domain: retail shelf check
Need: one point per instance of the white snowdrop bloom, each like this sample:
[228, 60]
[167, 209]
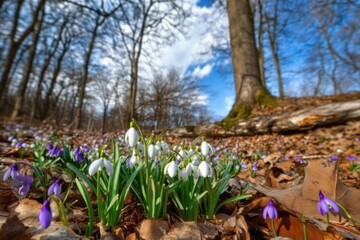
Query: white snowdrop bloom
[190, 153]
[190, 168]
[162, 147]
[195, 160]
[140, 148]
[152, 151]
[171, 168]
[131, 137]
[205, 169]
[183, 174]
[206, 148]
[97, 165]
[182, 155]
[133, 160]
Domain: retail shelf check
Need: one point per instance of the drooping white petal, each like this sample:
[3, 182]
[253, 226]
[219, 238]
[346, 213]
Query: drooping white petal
[182, 154]
[152, 151]
[95, 166]
[133, 160]
[206, 148]
[172, 169]
[204, 169]
[131, 137]
[108, 167]
[183, 174]
[140, 147]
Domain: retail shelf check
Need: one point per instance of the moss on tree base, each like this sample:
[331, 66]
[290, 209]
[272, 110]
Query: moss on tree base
[242, 111]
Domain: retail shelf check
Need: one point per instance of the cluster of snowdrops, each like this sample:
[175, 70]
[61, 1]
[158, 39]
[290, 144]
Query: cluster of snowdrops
[188, 176]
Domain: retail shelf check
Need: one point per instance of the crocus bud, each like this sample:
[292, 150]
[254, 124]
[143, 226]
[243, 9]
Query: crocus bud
[45, 215]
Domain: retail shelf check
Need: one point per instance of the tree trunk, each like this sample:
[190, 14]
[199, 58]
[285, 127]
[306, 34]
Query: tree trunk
[261, 43]
[14, 46]
[274, 48]
[44, 69]
[84, 79]
[249, 89]
[20, 95]
[54, 79]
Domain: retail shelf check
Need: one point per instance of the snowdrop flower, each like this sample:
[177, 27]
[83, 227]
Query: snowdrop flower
[270, 210]
[140, 148]
[133, 160]
[131, 137]
[206, 148]
[182, 155]
[325, 204]
[183, 174]
[55, 188]
[171, 168]
[192, 170]
[339, 151]
[205, 169]
[162, 147]
[45, 215]
[152, 151]
[195, 160]
[97, 165]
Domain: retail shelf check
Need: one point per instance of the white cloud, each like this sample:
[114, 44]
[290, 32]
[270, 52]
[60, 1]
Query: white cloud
[200, 72]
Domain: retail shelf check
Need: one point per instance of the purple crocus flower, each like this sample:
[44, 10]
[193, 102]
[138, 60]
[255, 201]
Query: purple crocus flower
[55, 188]
[79, 155]
[325, 204]
[19, 144]
[25, 181]
[54, 151]
[50, 146]
[254, 166]
[333, 158]
[12, 171]
[45, 215]
[270, 210]
[351, 158]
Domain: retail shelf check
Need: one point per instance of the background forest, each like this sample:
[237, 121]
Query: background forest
[94, 64]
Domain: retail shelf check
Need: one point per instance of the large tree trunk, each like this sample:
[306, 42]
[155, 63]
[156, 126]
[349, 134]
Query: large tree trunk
[20, 95]
[245, 60]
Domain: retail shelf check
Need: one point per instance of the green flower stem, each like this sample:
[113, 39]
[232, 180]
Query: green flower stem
[327, 218]
[356, 225]
[305, 232]
[98, 196]
[273, 227]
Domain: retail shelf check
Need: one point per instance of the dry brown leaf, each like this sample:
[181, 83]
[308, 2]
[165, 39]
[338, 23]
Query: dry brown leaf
[272, 158]
[153, 229]
[184, 231]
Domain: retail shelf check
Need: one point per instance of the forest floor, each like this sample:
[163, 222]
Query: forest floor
[291, 169]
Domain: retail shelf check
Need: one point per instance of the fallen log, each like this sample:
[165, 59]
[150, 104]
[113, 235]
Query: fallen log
[302, 120]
